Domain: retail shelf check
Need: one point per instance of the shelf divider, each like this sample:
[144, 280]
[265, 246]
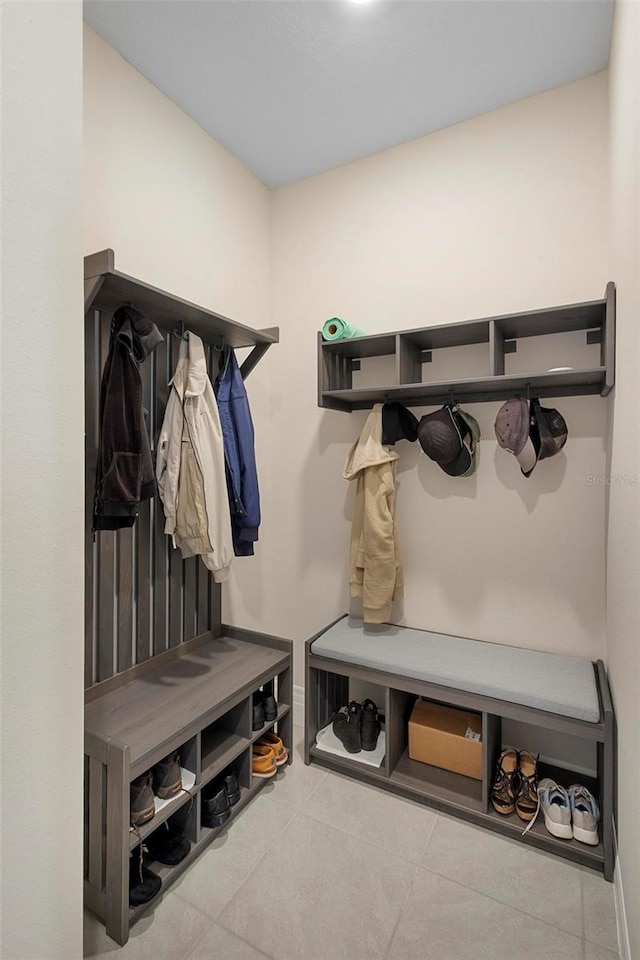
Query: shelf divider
[408, 365]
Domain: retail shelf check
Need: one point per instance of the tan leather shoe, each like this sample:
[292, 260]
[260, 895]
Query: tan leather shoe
[264, 761]
[276, 744]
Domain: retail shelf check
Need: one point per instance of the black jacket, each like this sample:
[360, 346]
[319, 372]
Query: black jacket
[124, 473]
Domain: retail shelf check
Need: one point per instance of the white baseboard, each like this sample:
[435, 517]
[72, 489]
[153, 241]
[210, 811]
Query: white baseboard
[624, 944]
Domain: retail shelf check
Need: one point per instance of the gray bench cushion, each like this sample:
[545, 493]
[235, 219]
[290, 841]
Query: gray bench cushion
[546, 681]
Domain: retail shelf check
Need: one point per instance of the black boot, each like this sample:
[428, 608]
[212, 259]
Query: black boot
[370, 726]
[346, 726]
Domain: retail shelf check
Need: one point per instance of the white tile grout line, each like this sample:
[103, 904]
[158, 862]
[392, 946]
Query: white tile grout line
[214, 923]
[401, 911]
[482, 893]
[373, 843]
[275, 839]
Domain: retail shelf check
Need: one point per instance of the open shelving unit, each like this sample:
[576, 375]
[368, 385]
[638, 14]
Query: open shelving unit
[199, 704]
[414, 350]
[327, 689]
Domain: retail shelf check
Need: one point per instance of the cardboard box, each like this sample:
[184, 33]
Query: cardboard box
[441, 736]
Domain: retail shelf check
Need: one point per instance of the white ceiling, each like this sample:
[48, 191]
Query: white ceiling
[295, 87]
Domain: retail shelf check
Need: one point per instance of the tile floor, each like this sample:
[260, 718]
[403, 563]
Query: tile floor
[320, 867]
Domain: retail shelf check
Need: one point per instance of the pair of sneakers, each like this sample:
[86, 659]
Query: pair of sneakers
[357, 726]
[569, 814]
[164, 780]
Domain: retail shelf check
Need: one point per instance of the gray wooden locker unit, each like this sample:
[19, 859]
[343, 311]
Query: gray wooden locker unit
[327, 688]
[162, 671]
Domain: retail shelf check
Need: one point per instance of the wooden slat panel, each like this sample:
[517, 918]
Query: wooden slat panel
[160, 565]
[190, 598]
[143, 587]
[142, 534]
[176, 571]
[175, 598]
[203, 597]
[125, 598]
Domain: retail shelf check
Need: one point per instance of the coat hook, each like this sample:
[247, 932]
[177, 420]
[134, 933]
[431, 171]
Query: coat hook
[181, 332]
[451, 398]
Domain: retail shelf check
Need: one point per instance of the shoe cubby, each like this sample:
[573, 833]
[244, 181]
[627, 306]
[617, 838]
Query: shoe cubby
[565, 758]
[183, 824]
[166, 808]
[439, 786]
[279, 687]
[241, 767]
[224, 738]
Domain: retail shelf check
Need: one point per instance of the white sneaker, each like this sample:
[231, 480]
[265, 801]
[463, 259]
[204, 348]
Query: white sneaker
[555, 804]
[585, 814]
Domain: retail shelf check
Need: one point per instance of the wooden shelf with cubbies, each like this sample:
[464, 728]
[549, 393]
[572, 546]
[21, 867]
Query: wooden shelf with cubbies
[580, 349]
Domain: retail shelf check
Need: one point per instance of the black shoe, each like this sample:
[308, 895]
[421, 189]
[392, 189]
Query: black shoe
[346, 726]
[215, 807]
[167, 846]
[258, 711]
[144, 884]
[270, 708]
[370, 725]
[232, 789]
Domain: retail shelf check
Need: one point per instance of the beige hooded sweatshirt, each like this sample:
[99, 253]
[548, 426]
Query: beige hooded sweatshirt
[375, 569]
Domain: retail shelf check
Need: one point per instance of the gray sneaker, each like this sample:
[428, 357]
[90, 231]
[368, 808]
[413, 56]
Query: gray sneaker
[585, 814]
[556, 808]
[141, 802]
[167, 778]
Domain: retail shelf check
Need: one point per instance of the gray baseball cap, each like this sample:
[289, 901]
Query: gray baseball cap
[513, 433]
[450, 436]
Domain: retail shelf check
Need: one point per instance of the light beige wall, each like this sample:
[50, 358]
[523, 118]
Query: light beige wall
[42, 479]
[623, 543]
[502, 213]
[183, 214]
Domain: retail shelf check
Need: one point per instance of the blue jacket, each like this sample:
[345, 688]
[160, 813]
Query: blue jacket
[239, 454]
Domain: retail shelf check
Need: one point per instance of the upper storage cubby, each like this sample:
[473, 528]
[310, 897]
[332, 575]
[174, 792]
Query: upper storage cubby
[558, 351]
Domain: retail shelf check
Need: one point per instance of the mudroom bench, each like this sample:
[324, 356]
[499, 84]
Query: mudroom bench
[563, 695]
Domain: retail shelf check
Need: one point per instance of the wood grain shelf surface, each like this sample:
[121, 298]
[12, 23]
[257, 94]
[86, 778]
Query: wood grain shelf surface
[167, 311]
[437, 784]
[179, 694]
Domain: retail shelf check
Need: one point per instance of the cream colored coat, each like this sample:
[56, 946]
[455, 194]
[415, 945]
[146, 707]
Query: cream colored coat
[375, 569]
[190, 465]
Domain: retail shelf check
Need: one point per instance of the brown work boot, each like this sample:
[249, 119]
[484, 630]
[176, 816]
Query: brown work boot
[167, 778]
[142, 804]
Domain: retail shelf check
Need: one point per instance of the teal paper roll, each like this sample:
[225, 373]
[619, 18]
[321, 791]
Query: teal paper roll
[337, 329]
